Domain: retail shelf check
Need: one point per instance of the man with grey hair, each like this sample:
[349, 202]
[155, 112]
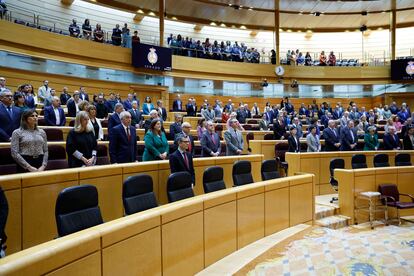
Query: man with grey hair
[162, 112]
[391, 140]
[175, 128]
[123, 140]
[349, 138]
[331, 136]
[54, 114]
[153, 115]
[234, 139]
[136, 115]
[3, 84]
[115, 118]
[210, 142]
[73, 103]
[9, 116]
[128, 102]
[208, 113]
[182, 160]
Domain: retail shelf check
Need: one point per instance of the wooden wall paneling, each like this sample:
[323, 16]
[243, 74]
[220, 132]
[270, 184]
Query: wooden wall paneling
[276, 206]
[346, 187]
[405, 178]
[250, 215]
[301, 207]
[163, 174]
[220, 226]
[87, 266]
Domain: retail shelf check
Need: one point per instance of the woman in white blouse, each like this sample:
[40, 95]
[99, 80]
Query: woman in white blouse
[95, 123]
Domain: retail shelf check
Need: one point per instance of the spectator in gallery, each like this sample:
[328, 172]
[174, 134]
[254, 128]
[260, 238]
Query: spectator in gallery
[182, 160]
[147, 106]
[64, 97]
[116, 36]
[322, 59]
[9, 116]
[123, 141]
[81, 145]
[87, 30]
[19, 101]
[29, 144]
[135, 39]
[300, 60]
[98, 34]
[54, 114]
[74, 29]
[273, 56]
[332, 59]
[95, 123]
[126, 37]
[308, 59]
[156, 144]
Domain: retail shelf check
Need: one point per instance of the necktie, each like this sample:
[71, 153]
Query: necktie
[128, 134]
[212, 138]
[186, 160]
[333, 130]
[9, 109]
[189, 146]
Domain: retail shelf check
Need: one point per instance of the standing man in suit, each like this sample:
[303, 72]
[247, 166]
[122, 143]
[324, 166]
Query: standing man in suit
[408, 140]
[83, 95]
[54, 114]
[182, 160]
[72, 104]
[391, 140]
[128, 102]
[115, 119]
[349, 138]
[191, 108]
[208, 113]
[177, 104]
[331, 136]
[175, 128]
[161, 111]
[123, 141]
[312, 140]
[234, 139]
[64, 97]
[136, 115]
[210, 142]
[44, 91]
[293, 140]
[9, 116]
[297, 124]
[255, 110]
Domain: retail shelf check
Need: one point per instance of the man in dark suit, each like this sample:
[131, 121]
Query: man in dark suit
[83, 95]
[177, 104]
[72, 104]
[293, 140]
[128, 102]
[191, 108]
[331, 136]
[161, 111]
[123, 141]
[115, 119]
[136, 115]
[391, 140]
[64, 97]
[349, 138]
[408, 140]
[9, 116]
[175, 128]
[210, 142]
[54, 114]
[181, 160]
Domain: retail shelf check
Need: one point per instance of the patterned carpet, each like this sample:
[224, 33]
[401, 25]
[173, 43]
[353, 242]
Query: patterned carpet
[354, 250]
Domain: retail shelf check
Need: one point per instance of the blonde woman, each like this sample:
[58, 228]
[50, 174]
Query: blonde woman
[95, 123]
[81, 144]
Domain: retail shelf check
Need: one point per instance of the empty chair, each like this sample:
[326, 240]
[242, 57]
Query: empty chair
[269, 170]
[179, 186]
[381, 160]
[391, 198]
[7, 163]
[359, 161]
[402, 159]
[57, 158]
[336, 163]
[138, 194]
[280, 153]
[242, 173]
[213, 179]
[53, 134]
[77, 209]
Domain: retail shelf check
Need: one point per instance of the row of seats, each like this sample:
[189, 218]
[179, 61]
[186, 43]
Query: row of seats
[77, 207]
[359, 161]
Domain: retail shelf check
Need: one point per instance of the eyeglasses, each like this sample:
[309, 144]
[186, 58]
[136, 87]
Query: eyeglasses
[34, 116]
[8, 96]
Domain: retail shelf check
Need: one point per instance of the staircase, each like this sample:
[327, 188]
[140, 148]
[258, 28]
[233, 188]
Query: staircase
[328, 216]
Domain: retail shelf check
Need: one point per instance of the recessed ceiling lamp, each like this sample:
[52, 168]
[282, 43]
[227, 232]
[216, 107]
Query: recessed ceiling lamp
[222, 25]
[174, 18]
[289, 30]
[380, 29]
[151, 13]
[230, 4]
[251, 8]
[243, 27]
[140, 11]
[213, 24]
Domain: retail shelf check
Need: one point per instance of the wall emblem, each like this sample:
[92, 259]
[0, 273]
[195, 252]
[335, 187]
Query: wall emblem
[152, 56]
[410, 68]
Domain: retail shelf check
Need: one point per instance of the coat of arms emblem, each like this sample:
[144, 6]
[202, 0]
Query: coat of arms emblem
[152, 56]
[410, 68]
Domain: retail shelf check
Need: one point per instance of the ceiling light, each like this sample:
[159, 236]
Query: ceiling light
[289, 31]
[379, 29]
[213, 24]
[229, 4]
[222, 25]
[251, 8]
[243, 27]
[151, 13]
[241, 7]
[174, 18]
[140, 11]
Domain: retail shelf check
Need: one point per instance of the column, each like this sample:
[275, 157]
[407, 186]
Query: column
[161, 11]
[277, 27]
[393, 26]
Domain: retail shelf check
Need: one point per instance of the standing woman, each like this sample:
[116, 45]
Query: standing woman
[371, 139]
[30, 97]
[19, 101]
[147, 106]
[81, 144]
[29, 144]
[95, 123]
[201, 127]
[156, 144]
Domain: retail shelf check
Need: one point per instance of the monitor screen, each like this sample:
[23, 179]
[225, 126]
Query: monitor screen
[402, 69]
[151, 57]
